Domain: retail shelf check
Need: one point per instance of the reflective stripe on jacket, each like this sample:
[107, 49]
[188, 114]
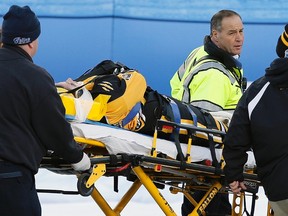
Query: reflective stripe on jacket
[205, 83]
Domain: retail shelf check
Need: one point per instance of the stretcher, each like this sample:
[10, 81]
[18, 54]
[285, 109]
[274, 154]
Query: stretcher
[155, 163]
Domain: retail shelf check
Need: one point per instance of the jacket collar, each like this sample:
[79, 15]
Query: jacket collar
[219, 54]
[231, 63]
[18, 50]
[277, 72]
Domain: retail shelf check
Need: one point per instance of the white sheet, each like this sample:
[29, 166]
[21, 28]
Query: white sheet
[118, 140]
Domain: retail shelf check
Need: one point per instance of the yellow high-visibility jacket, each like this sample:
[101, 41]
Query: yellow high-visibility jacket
[207, 83]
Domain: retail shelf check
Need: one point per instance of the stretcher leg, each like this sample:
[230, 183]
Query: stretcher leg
[191, 199]
[153, 190]
[200, 207]
[188, 196]
[105, 207]
[153, 149]
[128, 196]
[101, 202]
[237, 205]
[189, 146]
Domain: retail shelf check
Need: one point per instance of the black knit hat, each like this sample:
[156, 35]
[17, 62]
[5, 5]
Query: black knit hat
[282, 43]
[20, 26]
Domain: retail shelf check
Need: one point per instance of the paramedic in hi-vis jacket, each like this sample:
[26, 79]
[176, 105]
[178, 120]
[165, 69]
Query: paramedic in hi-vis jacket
[211, 78]
[260, 122]
[32, 119]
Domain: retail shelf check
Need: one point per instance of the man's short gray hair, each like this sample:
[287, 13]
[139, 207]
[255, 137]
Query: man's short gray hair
[216, 20]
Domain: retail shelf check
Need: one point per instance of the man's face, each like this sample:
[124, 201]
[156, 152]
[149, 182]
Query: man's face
[231, 36]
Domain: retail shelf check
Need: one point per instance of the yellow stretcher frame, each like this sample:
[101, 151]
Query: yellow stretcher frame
[150, 170]
[146, 177]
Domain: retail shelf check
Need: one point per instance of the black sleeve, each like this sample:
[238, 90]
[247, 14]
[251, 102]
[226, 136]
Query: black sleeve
[236, 143]
[50, 125]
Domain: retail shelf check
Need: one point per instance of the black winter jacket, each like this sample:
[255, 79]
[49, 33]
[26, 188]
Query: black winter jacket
[32, 117]
[260, 121]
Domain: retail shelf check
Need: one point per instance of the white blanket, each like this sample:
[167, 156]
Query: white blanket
[119, 140]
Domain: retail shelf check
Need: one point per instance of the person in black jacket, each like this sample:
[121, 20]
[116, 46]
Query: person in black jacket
[32, 117]
[260, 122]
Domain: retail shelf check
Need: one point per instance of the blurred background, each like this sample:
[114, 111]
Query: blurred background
[153, 36]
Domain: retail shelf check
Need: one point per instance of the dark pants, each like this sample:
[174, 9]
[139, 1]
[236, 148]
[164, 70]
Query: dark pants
[219, 205]
[18, 195]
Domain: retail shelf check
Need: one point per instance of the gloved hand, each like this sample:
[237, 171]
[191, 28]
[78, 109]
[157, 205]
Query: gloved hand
[222, 116]
[83, 164]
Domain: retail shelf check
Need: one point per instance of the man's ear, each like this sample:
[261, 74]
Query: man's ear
[30, 45]
[214, 36]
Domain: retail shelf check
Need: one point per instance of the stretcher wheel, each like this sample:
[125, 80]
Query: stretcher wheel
[81, 185]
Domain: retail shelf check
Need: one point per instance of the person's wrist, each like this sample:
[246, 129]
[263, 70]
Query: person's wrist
[83, 164]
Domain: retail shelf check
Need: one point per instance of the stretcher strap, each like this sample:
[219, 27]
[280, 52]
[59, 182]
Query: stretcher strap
[175, 133]
[176, 112]
[254, 197]
[215, 162]
[132, 114]
[180, 155]
[176, 119]
[75, 90]
[113, 160]
[194, 116]
[116, 183]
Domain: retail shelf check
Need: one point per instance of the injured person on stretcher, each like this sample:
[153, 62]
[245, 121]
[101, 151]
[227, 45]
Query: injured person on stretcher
[132, 105]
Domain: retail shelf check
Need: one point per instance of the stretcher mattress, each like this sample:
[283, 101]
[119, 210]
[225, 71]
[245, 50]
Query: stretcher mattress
[119, 141]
